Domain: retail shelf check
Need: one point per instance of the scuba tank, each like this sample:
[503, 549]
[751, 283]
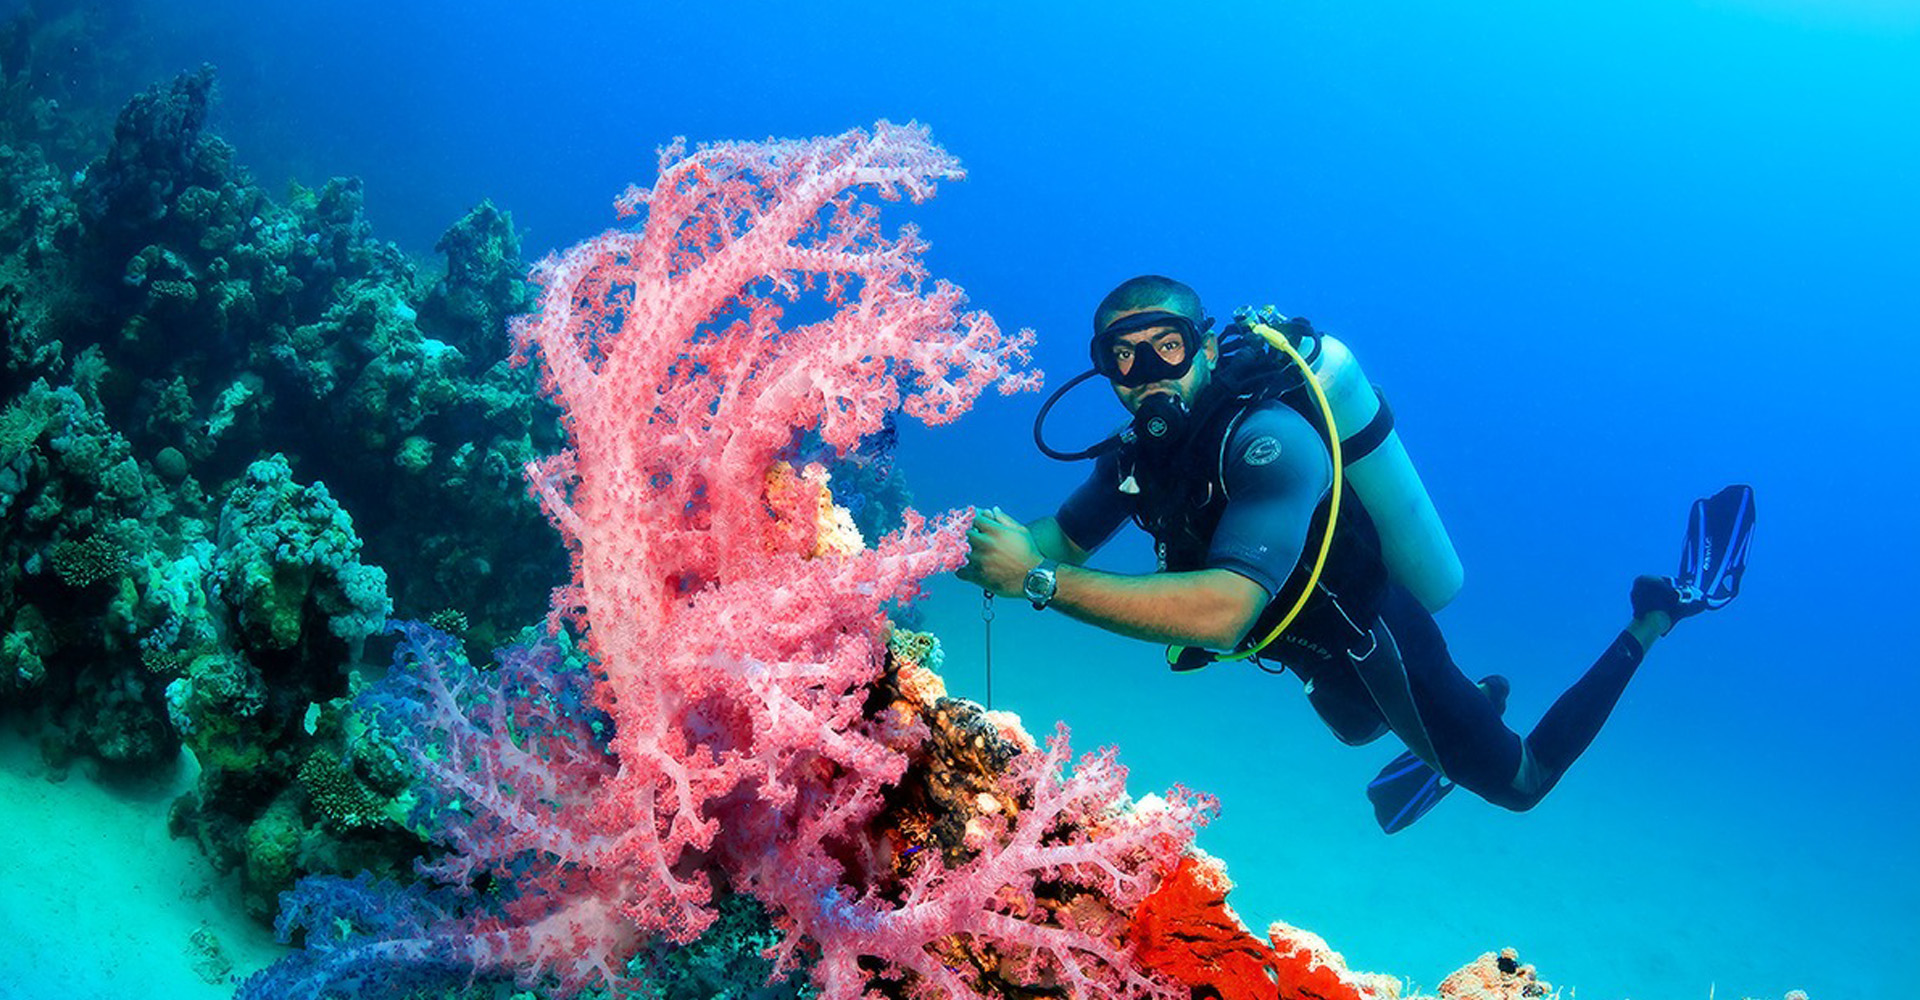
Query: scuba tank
[1418, 553]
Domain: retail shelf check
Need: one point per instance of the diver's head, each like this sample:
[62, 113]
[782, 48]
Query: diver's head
[1151, 336]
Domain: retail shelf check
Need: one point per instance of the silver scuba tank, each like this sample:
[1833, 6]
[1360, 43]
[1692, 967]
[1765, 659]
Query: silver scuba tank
[1418, 553]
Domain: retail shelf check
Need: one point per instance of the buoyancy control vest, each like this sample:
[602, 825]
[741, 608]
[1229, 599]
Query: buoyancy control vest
[1179, 500]
[1385, 526]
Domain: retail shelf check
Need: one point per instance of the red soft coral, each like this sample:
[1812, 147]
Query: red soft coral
[1185, 930]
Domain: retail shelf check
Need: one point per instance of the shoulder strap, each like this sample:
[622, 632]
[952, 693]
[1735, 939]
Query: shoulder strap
[1177, 656]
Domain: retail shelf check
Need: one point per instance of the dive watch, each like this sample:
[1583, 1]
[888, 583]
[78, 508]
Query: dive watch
[1041, 583]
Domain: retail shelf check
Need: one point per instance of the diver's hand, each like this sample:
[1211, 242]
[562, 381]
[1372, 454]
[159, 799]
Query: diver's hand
[1001, 551]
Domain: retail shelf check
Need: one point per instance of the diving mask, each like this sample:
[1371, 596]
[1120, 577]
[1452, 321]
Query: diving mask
[1165, 357]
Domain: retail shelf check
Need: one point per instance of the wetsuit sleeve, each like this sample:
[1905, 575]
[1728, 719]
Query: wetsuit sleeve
[1277, 471]
[1097, 509]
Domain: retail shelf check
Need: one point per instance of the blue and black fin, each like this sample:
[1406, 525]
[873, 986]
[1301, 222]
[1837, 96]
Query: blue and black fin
[1404, 791]
[1714, 555]
[1713, 558]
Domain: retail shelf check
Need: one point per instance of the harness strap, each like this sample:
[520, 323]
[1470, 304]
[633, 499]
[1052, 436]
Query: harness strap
[1374, 434]
[1183, 657]
[1385, 675]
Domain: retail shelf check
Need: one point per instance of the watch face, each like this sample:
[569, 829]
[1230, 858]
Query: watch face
[1039, 585]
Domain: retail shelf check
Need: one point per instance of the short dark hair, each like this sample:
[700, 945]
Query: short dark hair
[1150, 291]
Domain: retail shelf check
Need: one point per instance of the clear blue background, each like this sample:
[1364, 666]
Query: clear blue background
[1606, 256]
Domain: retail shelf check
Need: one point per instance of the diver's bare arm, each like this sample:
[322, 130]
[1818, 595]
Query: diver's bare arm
[1054, 543]
[1210, 607]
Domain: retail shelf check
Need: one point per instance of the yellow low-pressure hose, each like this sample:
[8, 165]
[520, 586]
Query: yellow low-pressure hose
[1279, 340]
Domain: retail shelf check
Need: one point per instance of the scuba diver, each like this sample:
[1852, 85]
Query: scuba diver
[1290, 527]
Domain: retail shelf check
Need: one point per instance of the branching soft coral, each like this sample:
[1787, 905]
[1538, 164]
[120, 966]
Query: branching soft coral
[736, 629]
[1185, 930]
[509, 757]
[735, 648]
[1045, 895]
[510, 762]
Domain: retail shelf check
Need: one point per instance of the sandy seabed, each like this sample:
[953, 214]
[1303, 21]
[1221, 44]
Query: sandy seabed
[97, 901]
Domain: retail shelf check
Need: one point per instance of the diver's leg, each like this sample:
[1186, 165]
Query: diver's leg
[1474, 747]
[1484, 756]
[1649, 627]
[1564, 733]
[1718, 533]
[1570, 726]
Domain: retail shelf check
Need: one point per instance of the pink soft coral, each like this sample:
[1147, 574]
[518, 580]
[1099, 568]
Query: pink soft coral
[1097, 854]
[734, 661]
[736, 646]
[736, 625]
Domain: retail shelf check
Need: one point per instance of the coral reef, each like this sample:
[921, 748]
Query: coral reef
[240, 433]
[1186, 931]
[224, 327]
[200, 383]
[93, 577]
[737, 728]
[1495, 977]
[288, 553]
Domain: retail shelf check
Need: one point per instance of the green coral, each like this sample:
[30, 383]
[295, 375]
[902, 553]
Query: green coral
[23, 421]
[171, 464]
[338, 796]
[166, 662]
[24, 649]
[86, 561]
[485, 280]
[219, 707]
[124, 481]
[174, 291]
[415, 454]
[286, 549]
[726, 963]
[920, 648]
[272, 845]
[228, 406]
[449, 620]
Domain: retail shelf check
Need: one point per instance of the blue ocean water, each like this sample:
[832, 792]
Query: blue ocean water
[1606, 257]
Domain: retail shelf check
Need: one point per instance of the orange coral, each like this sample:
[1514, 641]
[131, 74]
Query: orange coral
[1186, 931]
[804, 516]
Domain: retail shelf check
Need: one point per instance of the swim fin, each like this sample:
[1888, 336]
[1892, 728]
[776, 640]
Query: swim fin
[1406, 789]
[1713, 557]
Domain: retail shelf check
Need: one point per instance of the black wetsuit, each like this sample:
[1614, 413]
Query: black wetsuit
[1250, 497]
